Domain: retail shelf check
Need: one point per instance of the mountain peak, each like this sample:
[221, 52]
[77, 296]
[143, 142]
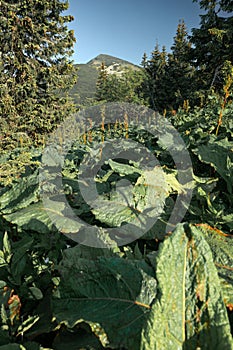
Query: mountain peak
[88, 74]
[109, 61]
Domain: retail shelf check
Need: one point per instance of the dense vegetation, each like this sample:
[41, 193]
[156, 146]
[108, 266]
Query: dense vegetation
[168, 288]
[197, 65]
[85, 87]
[35, 71]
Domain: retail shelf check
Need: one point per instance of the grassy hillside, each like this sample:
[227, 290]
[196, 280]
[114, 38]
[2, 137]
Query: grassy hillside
[88, 73]
[86, 84]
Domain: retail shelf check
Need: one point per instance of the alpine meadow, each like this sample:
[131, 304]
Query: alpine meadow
[116, 191]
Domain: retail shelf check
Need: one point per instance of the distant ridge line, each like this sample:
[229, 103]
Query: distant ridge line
[109, 60]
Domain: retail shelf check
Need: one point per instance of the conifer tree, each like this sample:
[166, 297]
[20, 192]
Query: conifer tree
[213, 43]
[101, 84]
[154, 85]
[133, 81]
[179, 71]
[108, 86]
[124, 87]
[35, 69]
[144, 60]
[181, 44]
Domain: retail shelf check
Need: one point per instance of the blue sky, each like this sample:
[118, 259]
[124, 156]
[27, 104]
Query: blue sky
[127, 28]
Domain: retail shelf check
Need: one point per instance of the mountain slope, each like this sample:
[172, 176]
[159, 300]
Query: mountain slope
[86, 83]
[88, 73]
[109, 60]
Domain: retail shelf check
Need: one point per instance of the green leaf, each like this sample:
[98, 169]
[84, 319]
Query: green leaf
[189, 311]
[218, 153]
[151, 190]
[126, 203]
[113, 214]
[228, 220]
[112, 292]
[27, 324]
[36, 293]
[4, 318]
[6, 245]
[77, 339]
[12, 347]
[34, 218]
[86, 252]
[2, 284]
[123, 169]
[20, 195]
[19, 262]
[34, 346]
[222, 250]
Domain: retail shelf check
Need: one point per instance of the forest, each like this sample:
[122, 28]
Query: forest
[116, 221]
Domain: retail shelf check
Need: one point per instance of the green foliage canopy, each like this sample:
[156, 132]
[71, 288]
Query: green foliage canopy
[35, 70]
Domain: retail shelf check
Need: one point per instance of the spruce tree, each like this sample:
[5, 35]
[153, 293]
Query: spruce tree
[35, 67]
[144, 60]
[101, 84]
[180, 72]
[213, 43]
[132, 82]
[181, 45]
[151, 69]
[154, 86]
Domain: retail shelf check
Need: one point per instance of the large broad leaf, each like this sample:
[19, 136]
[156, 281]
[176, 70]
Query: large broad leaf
[219, 154]
[34, 218]
[20, 195]
[127, 203]
[123, 169]
[77, 339]
[228, 220]
[221, 245]
[19, 262]
[26, 346]
[112, 292]
[12, 347]
[189, 312]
